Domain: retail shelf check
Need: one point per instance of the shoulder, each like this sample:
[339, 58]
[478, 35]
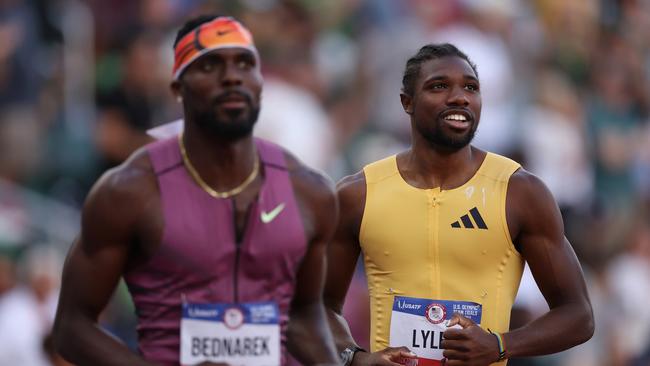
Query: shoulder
[352, 188]
[309, 184]
[351, 192]
[315, 196]
[524, 186]
[530, 205]
[497, 167]
[128, 184]
[118, 204]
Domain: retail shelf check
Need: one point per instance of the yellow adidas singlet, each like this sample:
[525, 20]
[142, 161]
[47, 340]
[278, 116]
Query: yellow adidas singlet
[439, 244]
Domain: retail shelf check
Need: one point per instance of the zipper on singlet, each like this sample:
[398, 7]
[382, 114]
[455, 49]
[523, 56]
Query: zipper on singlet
[235, 281]
[248, 220]
[235, 276]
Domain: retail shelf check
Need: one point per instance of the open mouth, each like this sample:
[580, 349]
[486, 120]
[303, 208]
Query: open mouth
[457, 120]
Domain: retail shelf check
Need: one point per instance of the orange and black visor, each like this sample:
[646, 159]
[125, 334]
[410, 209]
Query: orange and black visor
[222, 32]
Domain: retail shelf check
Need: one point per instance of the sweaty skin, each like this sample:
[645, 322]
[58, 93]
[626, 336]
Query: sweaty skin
[533, 219]
[122, 222]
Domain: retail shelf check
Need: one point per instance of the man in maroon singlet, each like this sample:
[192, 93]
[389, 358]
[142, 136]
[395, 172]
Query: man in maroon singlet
[219, 236]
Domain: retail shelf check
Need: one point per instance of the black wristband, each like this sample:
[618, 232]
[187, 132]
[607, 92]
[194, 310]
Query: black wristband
[348, 354]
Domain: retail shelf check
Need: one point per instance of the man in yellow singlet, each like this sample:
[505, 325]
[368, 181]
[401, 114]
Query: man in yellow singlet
[445, 229]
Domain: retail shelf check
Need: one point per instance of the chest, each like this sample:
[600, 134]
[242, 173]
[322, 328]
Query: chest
[462, 228]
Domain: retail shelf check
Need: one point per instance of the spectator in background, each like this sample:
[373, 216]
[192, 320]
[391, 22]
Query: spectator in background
[554, 142]
[292, 113]
[134, 105]
[21, 71]
[23, 324]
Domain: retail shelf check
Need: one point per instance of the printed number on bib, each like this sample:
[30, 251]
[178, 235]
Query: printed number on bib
[419, 324]
[236, 334]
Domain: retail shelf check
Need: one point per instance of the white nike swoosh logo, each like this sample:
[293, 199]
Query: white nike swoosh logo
[271, 215]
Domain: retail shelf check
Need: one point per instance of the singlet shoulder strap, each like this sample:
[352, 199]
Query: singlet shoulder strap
[271, 154]
[164, 154]
[499, 167]
[381, 169]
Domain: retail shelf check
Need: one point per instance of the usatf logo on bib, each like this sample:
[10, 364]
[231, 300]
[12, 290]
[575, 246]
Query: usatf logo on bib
[420, 323]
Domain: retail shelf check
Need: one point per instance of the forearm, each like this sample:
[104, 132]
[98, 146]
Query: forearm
[83, 342]
[559, 329]
[340, 330]
[308, 336]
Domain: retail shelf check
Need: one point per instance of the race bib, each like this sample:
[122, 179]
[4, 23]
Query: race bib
[236, 334]
[419, 324]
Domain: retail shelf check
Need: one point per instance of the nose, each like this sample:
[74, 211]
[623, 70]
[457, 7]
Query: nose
[457, 96]
[231, 75]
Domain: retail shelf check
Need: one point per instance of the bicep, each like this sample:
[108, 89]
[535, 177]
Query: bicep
[90, 277]
[98, 257]
[322, 214]
[342, 256]
[557, 271]
[344, 250]
[309, 282]
[549, 254]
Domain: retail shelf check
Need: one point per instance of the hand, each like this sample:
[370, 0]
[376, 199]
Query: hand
[469, 346]
[390, 356]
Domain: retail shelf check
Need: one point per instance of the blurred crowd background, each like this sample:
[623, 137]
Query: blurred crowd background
[565, 87]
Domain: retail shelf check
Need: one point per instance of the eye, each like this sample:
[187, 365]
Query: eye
[472, 87]
[207, 65]
[437, 86]
[245, 63]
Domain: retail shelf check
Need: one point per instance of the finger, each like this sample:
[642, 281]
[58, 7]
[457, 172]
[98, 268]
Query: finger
[454, 344]
[454, 334]
[460, 320]
[390, 356]
[386, 362]
[407, 353]
[397, 351]
[400, 355]
[451, 354]
[404, 358]
[454, 363]
[455, 319]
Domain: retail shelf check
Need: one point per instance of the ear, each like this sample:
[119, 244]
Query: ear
[407, 103]
[175, 87]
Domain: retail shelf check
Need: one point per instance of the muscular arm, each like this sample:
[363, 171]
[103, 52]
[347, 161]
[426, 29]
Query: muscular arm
[309, 339]
[91, 272]
[535, 224]
[534, 216]
[344, 252]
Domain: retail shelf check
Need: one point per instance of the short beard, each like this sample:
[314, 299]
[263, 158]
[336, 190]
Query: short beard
[440, 138]
[235, 128]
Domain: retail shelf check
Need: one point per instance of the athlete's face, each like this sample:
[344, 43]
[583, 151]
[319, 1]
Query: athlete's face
[445, 107]
[221, 91]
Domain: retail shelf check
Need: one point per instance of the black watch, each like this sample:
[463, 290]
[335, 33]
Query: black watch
[348, 354]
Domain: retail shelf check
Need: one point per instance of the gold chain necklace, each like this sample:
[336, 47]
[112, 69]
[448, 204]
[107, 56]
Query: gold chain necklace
[197, 178]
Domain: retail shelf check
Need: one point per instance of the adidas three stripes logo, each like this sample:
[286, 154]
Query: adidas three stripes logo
[467, 222]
